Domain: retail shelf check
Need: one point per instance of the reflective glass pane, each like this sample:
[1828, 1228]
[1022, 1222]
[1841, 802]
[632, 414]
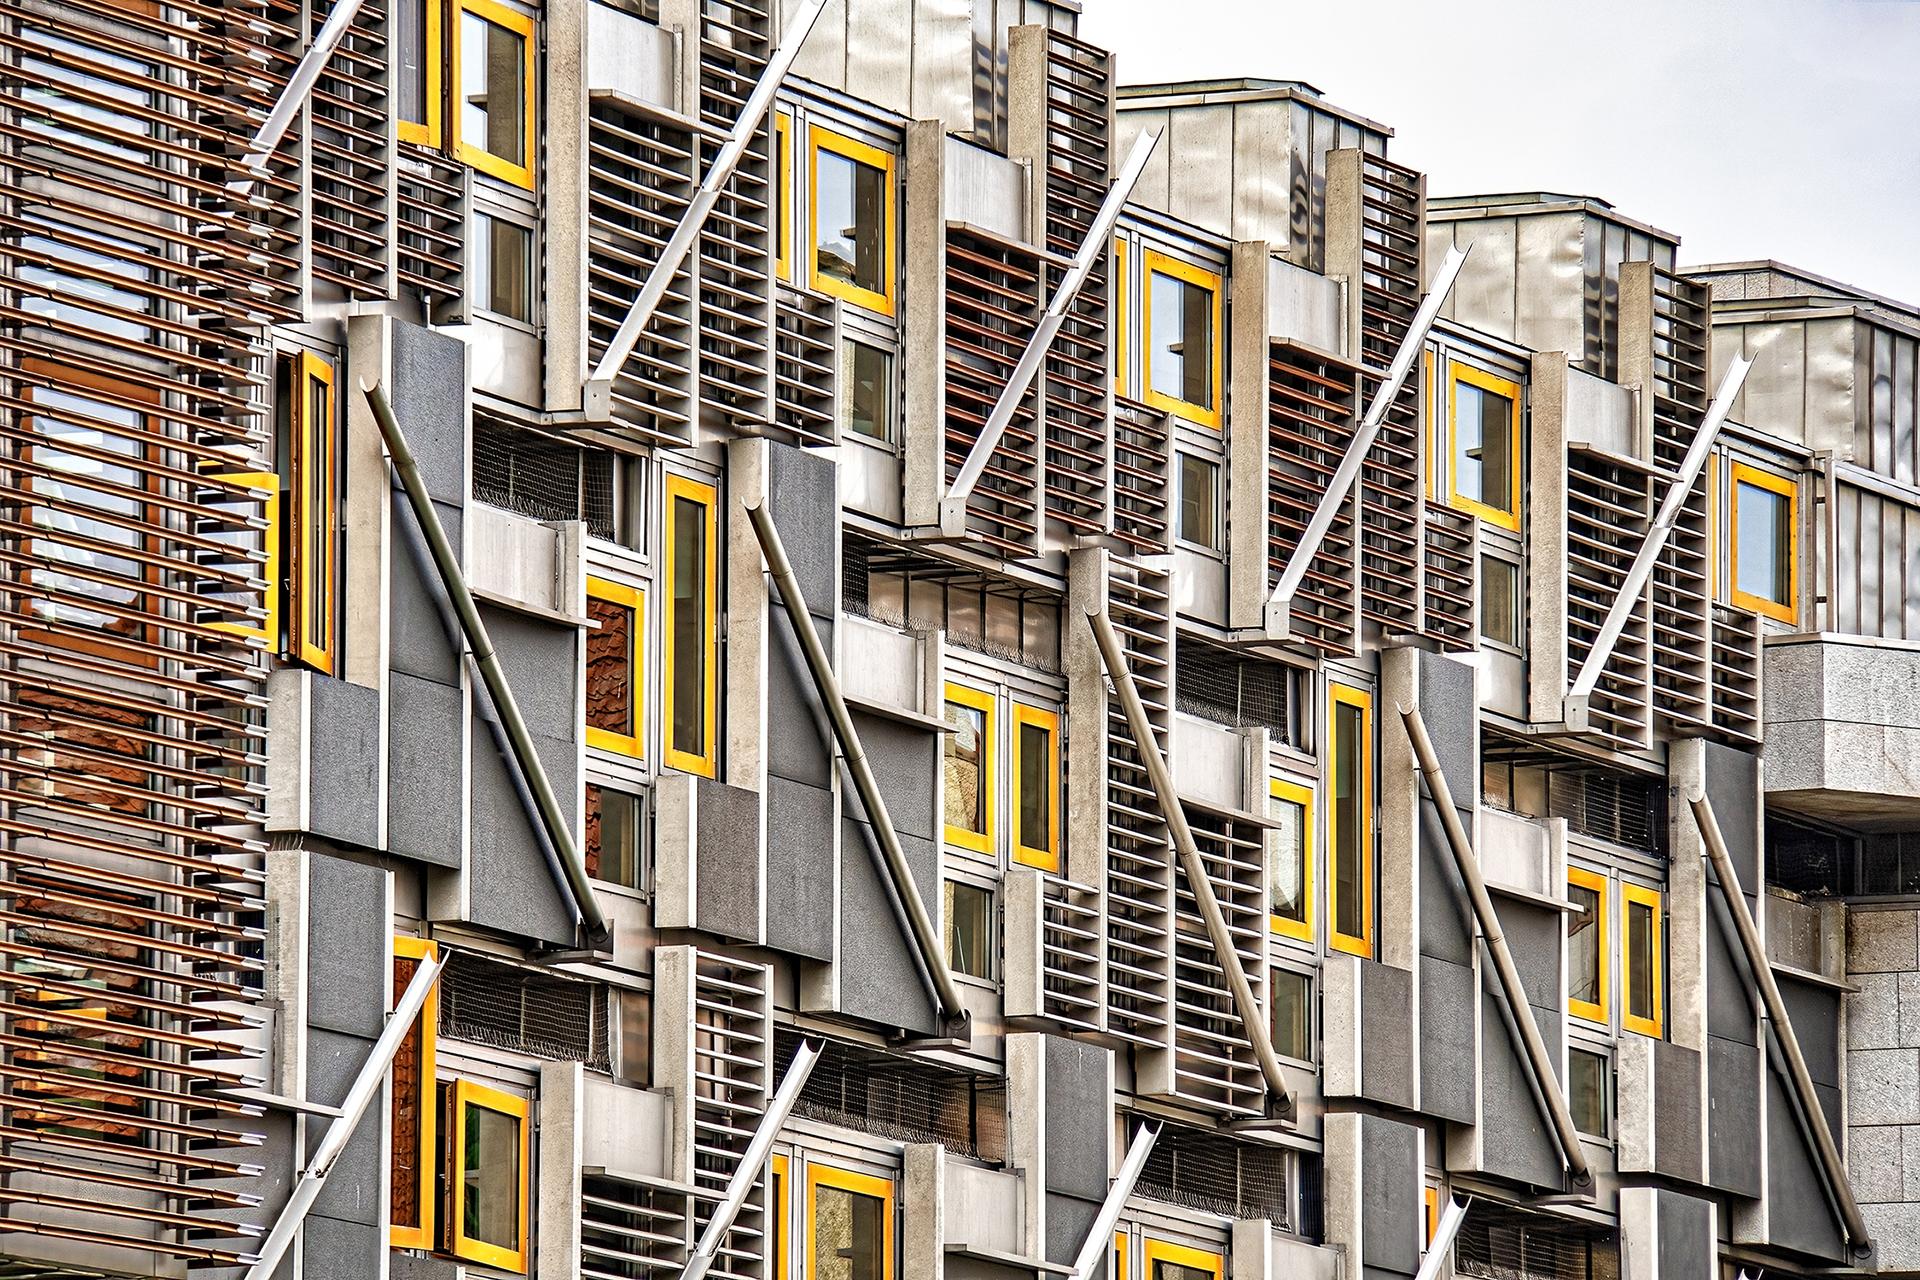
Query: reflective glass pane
[610, 667]
[83, 483]
[493, 102]
[1584, 929]
[1641, 945]
[503, 269]
[613, 836]
[1500, 600]
[317, 468]
[1290, 854]
[1349, 819]
[1765, 532]
[965, 764]
[490, 1170]
[849, 218]
[1165, 1270]
[1292, 995]
[868, 376]
[1483, 446]
[689, 623]
[1199, 501]
[1181, 361]
[1587, 1090]
[969, 912]
[410, 55]
[1036, 786]
[849, 1236]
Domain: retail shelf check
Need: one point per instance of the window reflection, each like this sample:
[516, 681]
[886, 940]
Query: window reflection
[1180, 363]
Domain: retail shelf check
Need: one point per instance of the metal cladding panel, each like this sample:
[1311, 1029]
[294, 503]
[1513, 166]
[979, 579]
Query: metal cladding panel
[426, 787]
[417, 640]
[1069, 1218]
[943, 62]
[879, 977]
[1447, 998]
[1551, 264]
[1390, 1186]
[879, 54]
[1078, 1099]
[1199, 148]
[1687, 1243]
[1483, 296]
[1386, 1034]
[514, 891]
[352, 1193]
[1677, 1119]
[1774, 394]
[344, 775]
[1262, 186]
[1733, 1116]
[1517, 1142]
[728, 865]
[800, 868]
[429, 396]
[346, 965]
[1799, 1216]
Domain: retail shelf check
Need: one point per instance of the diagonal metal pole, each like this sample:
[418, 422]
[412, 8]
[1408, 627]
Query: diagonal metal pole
[599, 388]
[1100, 1235]
[1279, 611]
[1450, 1219]
[953, 506]
[305, 75]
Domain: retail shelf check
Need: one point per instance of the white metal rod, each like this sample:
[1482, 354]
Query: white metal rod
[1664, 519]
[1280, 603]
[366, 1087]
[300, 84]
[755, 1159]
[1100, 1235]
[681, 243]
[1037, 346]
[1450, 1219]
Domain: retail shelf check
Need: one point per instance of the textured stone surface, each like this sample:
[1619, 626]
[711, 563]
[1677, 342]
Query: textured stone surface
[1875, 1014]
[1896, 1234]
[1875, 1163]
[1884, 1086]
[1882, 941]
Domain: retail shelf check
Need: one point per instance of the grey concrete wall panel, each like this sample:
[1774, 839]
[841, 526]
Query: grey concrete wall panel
[1733, 1116]
[1446, 1040]
[1800, 1216]
[1815, 1013]
[1068, 1220]
[346, 946]
[352, 1192]
[879, 977]
[905, 760]
[795, 749]
[1390, 1188]
[521, 896]
[1731, 1008]
[417, 640]
[333, 1249]
[424, 780]
[1517, 1142]
[344, 778]
[1446, 917]
[1733, 784]
[1686, 1236]
[540, 660]
[1077, 1101]
[1677, 1132]
[273, 1155]
[960, 1267]
[1533, 935]
[728, 865]
[430, 386]
[805, 504]
[1386, 1034]
[800, 848]
[1449, 706]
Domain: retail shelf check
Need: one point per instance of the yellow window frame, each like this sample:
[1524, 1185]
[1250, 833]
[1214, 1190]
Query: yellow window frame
[619, 593]
[983, 702]
[1119, 1268]
[822, 139]
[267, 485]
[864, 1184]
[1430, 1196]
[314, 585]
[1340, 695]
[705, 764]
[782, 1231]
[783, 186]
[1632, 895]
[1122, 357]
[1782, 486]
[1603, 941]
[1297, 793]
[1429, 394]
[1510, 391]
[468, 1093]
[1205, 415]
[432, 59]
[472, 154]
[1182, 1255]
[421, 1236]
[1047, 859]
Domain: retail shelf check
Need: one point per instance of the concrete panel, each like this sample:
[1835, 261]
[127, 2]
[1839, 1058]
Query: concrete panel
[1447, 705]
[1304, 306]
[347, 927]
[1446, 917]
[1815, 1013]
[333, 1249]
[1391, 1182]
[1799, 1216]
[417, 643]
[1534, 937]
[878, 977]
[1516, 1141]
[1733, 781]
[905, 759]
[985, 189]
[795, 749]
[1676, 1097]
[514, 890]
[1731, 1008]
[806, 509]
[344, 772]
[800, 868]
[630, 56]
[424, 780]
[1069, 1218]
[1079, 1097]
[1386, 1034]
[430, 381]
[1687, 1244]
[540, 660]
[727, 865]
[1446, 1040]
[1733, 1116]
[354, 1191]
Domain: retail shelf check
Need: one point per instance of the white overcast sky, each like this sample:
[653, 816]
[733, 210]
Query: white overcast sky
[1785, 129]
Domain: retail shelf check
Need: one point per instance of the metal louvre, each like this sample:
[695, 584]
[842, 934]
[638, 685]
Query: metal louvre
[1213, 1059]
[352, 171]
[1215, 1173]
[1311, 407]
[1142, 476]
[806, 371]
[1609, 510]
[732, 1081]
[1682, 673]
[630, 1230]
[1503, 1244]
[431, 234]
[993, 304]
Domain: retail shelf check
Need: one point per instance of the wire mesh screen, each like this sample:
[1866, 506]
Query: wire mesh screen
[1218, 1174]
[1889, 863]
[1620, 808]
[902, 1099]
[1231, 690]
[1497, 1244]
[538, 1014]
[599, 473]
[853, 576]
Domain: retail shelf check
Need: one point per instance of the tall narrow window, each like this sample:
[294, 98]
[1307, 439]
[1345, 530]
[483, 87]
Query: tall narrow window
[1182, 339]
[782, 195]
[866, 407]
[413, 1107]
[614, 666]
[417, 60]
[316, 513]
[1200, 501]
[1484, 464]
[493, 58]
[1588, 1089]
[853, 243]
[1291, 995]
[693, 648]
[1291, 807]
[613, 836]
[502, 265]
[1350, 835]
[1587, 944]
[489, 1173]
[849, 1225]
[1122, 354]
[1764, 550]
[1167, 1261]
[969, 768]
[1643, 959]
[970, 940]
[1500, 601]
[1036, 788]
[780, 1211]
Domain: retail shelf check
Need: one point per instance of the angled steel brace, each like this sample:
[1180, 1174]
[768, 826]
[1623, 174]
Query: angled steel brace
[1100, 1235]
[752, 1162]
[365, 1088]
[1538, 1062]
[599, 388]
[1174, 814]
[953, 507]
[1450, 1219]
[1279, 611]
[1833, 1169]
[1664, 520]
[926, 939]
[305, 75]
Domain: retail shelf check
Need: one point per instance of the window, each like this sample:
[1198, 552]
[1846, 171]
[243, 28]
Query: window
[489, 1171]
[1181, 335]
[1642, 961]
[1119, 1269]
[1122, 354]
[266, 488]
[1484, 463]
[1587, 945]
[1291, 807]
[969, 769]
[778, 1210]
[782, 185]
[503, 267]
[853, 221]
[1500, 601]
[849, 1225]
[1291, 994]
[614, 667]
[1200, 501]
[1765, 546]
[1036, 788]
[316, 513]
[613, 836]
[1588, 1087]
[969, 914]
[412, 1107]
[1350, 834]
[416, 57]
[867, 407]
[493, 57]
[1178, 1262]
[692, 630]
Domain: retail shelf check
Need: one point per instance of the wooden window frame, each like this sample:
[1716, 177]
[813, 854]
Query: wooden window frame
[1632, 895]
[1047, 859]
[780, 1211]
[783, 185]
[985, 842]
[1302, 795]
[821, 138]
[1340, 695]
[471, 154]
[1181, 1255]
[632, 745]
[1152, 260]
[704, 764]
[463, 1094]
[1781, 486]
[1514, 394]
[433, 62]
[863, 1184]
[422, 1237]
[314, 587]
[1595, 882]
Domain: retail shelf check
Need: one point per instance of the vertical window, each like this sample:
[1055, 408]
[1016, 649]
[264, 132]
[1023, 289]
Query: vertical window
[1588, 1087]
[1587, 945]
[969, 769]
[416, 57]
[1036, 787]
[1122, 355]
[1500, 601]
[1432, 1199]
[316, 513]
[613, 836]
[866, 407]
[853, 220]
[778, 1210]
[1764, 573]
[1350, 833]
[969, 913]
[266, 489]
[1292, 1021]
[1182, 338]
[1178, 1262]
[1484, 463]
[493, 57]
[1642, 962]
[503, 267]
[489, 1173]
[693, 648]
[1119, 1269]
[614, 651]
[1291, 807]
[849, 1225]
[782, 185]
[1200, 501]
[412, 1106]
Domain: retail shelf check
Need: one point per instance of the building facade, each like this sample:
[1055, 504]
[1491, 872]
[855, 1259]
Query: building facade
[810, 641]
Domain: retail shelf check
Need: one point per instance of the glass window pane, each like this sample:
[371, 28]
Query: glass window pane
[1165, 1270]
[490, 1169]
[317, 468]
[1349, 724]
[409, 59]
[965, 765]
[1584, 929]
[1587, 1090]
[493, 104]
[613, 836]
[1764, 555]
[503, 269]
[1199, 501]
[689, 721]
[77, 481]
[850, 210]
[1640, 958]
[849, 1231]
[867, 373]
[1500, 600]
[1036, 786]
[1292, 995]
[1290, 854]
[1181, 361]
[1482, 446]
[970, 943]
[610, 667]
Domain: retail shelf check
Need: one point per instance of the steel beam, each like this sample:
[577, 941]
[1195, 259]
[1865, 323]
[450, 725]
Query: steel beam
[1099, 1239]
[1451, 1217]
[305, 75]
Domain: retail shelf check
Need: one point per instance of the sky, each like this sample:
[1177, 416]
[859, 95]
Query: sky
[1784, 129]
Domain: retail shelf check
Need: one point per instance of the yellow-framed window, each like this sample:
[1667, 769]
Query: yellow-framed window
[1764, 543]
[1642, 960]
[1168, 1261]
[1429, 405]
[782, 195]
[853, 250]
[1119, 1268]
[1122, 357]
[1290, 805]
[779, 1211]
[316, 514]
[413, 1107]
[970, 763]
[1483, 445]
[267, 486]
[419, 50]
[493, 56]
[1431, 1198]
[1587, 944]
[616, 651]
[487, 1176]
[692, 685]
[1181, 331]
[1036, 787]
[1350, 820]
[849, 1225]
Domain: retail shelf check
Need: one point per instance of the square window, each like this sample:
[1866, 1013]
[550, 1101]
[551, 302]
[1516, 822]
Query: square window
[1500, 601]
[969, 768]
[1036, 788]
[489, 1168]
[853, 221]
[1182, 328]
[1484, 459]
[614, 667]
[1200, 501]
[1589, 1086]
[1764, 551]
[866, 402]
[1291, 807]
[493, 57]
[502, 266]
[849, 1225]
[613, 836]
[970, 931]
[1292, 1003]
